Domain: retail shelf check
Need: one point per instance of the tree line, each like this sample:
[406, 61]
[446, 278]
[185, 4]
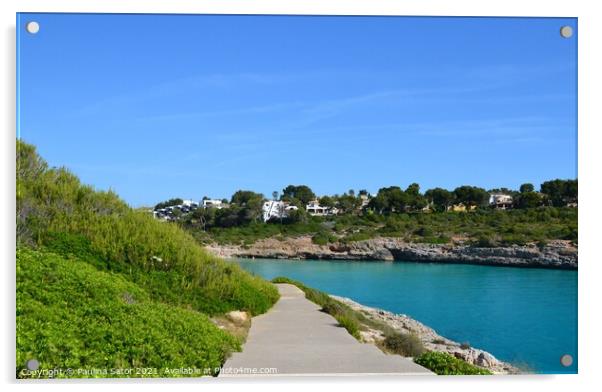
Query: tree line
[246, 206]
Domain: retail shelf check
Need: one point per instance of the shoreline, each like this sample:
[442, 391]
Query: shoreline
[559, 254]
[429, 337]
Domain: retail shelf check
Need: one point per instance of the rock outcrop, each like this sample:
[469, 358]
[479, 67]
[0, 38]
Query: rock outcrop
[430, 339]
[556, 254]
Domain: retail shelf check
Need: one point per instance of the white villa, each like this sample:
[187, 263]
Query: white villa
[189, 203]
[314, 208]
[365, 201]
[214, 203]
[500, 200]
[276, 209]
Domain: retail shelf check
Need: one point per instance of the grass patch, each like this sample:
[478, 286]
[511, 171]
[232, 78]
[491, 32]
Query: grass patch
[445, 364]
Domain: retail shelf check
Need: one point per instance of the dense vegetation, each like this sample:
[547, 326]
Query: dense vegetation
[56, 213]
[71, 315]
[446, 365]
[395, 342]
[482, 227]
[435, 216]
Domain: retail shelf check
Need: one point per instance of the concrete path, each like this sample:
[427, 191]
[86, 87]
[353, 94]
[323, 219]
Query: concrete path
[295, 338]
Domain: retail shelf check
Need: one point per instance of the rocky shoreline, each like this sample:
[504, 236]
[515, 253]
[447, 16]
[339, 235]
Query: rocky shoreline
[558, 254]
[430, 339]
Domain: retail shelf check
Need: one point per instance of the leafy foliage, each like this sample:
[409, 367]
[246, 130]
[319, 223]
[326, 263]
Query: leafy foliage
[55, 210]
[484, 226]
[167, 203]
[298, 193]
[71, 315]
[560, 192]
[445, 364]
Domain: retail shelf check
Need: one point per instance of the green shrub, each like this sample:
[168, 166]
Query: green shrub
[56, 211]
[484, 241]
[445, 364]
[362, 235]
[323, 238]
[407, 345]
[71, 315]
[424, 231]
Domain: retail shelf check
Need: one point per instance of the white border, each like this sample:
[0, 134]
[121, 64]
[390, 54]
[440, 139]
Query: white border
[590, 67]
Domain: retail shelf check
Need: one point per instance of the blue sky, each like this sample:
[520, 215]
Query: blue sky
[156, 106]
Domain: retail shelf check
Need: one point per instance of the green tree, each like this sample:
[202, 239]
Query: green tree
[303, 193]
[327, 201]
[348, 203]
[524, 188]
[390, 199]
[415, 200]
[471, 196]
[528, 200]
[560, 192]
[250, 205]
[440, 198]
[171, 202]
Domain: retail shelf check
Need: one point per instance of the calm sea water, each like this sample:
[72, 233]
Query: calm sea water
[524, 316]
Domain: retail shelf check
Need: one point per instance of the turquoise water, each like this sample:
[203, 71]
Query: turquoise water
[521, 315]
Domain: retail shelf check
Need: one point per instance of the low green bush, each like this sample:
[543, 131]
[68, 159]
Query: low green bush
[323, 238]
[445, 364]
[407, 345]
[484, 241]
[71, 315]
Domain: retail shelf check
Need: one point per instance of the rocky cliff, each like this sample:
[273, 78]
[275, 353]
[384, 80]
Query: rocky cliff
[556, 254]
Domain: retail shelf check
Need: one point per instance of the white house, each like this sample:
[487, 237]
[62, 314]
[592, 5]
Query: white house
[189, 203]
[314, 208]
[213, 203]
[365, 201]
[276, 209]
[500, 200]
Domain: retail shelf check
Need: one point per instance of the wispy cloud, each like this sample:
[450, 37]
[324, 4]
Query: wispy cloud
[467, 79]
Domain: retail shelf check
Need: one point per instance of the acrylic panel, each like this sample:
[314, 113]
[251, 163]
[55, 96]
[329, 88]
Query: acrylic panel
[268, 195]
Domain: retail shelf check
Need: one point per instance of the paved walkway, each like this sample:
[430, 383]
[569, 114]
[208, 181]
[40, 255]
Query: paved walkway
[295, 338]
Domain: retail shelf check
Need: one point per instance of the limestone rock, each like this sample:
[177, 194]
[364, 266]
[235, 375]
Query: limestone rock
[238, 317]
